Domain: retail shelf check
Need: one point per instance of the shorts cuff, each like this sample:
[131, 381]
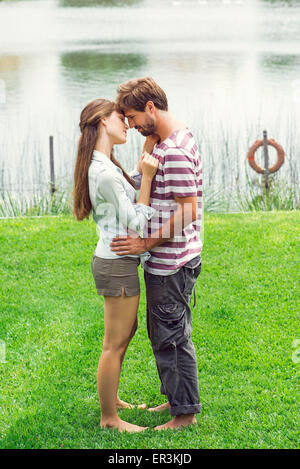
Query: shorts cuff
[108, 292]
[185, 409]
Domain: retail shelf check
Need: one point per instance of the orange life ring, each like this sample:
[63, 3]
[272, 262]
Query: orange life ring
[280, 156]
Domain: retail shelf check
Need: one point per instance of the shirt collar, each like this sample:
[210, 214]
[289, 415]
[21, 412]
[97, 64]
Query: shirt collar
[102, 158]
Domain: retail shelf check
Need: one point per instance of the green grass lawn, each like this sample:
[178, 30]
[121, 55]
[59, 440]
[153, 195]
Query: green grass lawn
[244, 326]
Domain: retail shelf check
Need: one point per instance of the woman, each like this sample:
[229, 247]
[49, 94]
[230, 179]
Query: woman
[101, 185]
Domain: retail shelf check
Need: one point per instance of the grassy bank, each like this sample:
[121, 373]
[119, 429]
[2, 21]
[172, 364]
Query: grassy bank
[253, 198]
[244, 326]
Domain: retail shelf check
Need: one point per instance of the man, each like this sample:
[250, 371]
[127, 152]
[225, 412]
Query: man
[174, 244]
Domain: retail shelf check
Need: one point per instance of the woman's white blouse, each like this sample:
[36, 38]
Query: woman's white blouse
[113, 205]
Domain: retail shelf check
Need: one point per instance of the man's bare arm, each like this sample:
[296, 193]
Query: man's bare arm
[185, 214]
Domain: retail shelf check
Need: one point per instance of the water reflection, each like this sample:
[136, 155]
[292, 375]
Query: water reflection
[9, 63]
[282, 3]
[280, 63]
[100, 3]
[98, 73]
[84, 64]
[10, 71]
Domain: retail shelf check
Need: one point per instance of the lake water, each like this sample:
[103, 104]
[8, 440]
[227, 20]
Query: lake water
[230, 69]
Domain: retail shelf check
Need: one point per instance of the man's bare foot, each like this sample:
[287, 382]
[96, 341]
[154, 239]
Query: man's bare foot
[121, 425]
[160, 408]
[178, 422]
[124, 405]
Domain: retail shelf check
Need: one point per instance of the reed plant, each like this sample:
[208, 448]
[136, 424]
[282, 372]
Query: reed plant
[37, 204]
[277, 196]
[230, 185]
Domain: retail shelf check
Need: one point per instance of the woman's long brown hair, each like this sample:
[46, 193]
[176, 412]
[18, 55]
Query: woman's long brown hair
[90, 119]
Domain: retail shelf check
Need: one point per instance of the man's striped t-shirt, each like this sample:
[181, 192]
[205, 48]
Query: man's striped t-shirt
[179, 174]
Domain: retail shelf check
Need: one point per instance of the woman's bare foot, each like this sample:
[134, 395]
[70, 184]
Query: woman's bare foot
[178, 422]
[124, 405]
[122, 426]
[160, 408]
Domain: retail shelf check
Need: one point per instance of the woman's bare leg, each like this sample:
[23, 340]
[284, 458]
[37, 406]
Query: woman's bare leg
[122, 404]
[119, 315]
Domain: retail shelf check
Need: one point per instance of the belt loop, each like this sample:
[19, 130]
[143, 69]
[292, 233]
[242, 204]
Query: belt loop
[194, 297]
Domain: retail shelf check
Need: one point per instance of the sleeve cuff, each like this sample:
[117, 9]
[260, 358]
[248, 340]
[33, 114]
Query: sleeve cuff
[147, 211]
[134, 172]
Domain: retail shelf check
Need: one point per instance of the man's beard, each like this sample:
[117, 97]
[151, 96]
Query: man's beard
[149, 128]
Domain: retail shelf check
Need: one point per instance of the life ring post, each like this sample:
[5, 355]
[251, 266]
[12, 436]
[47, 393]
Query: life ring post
[266, 158]
[266, 171]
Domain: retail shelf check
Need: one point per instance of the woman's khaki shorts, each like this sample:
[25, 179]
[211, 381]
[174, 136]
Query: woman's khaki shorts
[113, 275]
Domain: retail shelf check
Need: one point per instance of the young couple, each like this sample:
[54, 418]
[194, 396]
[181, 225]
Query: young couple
[164, 226]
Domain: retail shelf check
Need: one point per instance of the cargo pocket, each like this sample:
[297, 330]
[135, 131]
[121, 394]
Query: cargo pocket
[168, 325]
